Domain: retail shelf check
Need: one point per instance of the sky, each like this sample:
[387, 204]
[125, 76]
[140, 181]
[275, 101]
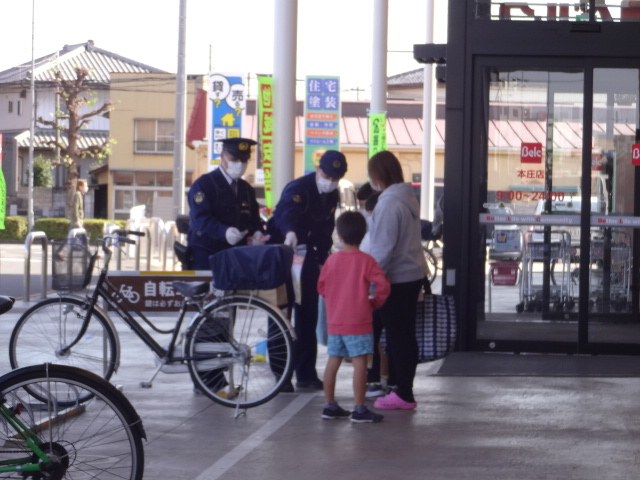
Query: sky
[234, 36]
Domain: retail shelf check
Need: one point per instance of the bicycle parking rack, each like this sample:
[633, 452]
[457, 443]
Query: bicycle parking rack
[31, 238]
[169, 235]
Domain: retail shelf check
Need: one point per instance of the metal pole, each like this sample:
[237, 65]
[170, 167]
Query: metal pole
[428, 116]
[284, 93]
[180, 120]
[30, 219]
[379, 73]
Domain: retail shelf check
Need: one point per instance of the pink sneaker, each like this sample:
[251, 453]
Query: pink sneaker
[393, 402]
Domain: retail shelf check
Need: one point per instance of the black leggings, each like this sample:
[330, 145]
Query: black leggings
[398, 316]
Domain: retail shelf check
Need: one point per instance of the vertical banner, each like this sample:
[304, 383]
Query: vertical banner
[265, 129]
[3, 190]
[377, 133]
[228, 104]
[321, 119]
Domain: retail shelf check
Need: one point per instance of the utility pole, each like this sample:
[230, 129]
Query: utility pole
[30, 217]
[180, 119]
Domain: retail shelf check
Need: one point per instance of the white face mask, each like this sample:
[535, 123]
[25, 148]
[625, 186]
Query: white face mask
[325, 185]
[236, 169]
[375, 187]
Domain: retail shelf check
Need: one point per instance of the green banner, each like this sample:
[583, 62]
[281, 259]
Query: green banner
[3, 190]
[265, 128]
[377, 133]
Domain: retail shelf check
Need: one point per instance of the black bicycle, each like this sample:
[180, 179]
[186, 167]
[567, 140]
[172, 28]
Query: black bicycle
[237, 347]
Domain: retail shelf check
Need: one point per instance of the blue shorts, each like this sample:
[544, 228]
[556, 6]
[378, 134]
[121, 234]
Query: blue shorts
[352, 345]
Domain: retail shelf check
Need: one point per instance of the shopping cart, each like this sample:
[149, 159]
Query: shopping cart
[532, 287]
[610, 275]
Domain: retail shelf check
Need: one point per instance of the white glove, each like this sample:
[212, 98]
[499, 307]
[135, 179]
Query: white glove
[258, 238]
[233, 235]
[291, 240]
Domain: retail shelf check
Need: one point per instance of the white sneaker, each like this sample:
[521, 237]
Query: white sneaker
[375, 390]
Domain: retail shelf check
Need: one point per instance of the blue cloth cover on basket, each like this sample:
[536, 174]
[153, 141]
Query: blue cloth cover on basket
[260, 267]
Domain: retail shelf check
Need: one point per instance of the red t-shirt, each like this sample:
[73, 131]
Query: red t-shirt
[345, 285]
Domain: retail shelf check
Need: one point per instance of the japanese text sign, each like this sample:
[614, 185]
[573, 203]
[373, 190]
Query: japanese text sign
[227, 100]
[377, 133]
[152, 291]
[321, 119]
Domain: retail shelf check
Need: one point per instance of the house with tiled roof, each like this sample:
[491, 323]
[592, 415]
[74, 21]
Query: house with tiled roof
[15, 117]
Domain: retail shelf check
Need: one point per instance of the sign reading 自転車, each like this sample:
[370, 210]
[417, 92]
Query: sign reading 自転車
[531, 153]
[153, 291]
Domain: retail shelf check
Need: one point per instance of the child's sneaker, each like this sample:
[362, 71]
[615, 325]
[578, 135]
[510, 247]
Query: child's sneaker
[334, 414]
[375, 390]
[366, 417]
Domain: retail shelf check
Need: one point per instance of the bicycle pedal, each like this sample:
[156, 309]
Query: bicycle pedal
[146, 384]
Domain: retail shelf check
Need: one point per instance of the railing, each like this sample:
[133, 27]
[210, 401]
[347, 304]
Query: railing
[31, 238]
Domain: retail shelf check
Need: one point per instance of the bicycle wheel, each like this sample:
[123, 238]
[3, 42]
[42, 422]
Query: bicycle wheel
[260, 344]
[98, 439]
[45, 328]
[432, 264]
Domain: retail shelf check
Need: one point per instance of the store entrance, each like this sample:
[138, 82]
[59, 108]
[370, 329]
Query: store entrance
[559, 215]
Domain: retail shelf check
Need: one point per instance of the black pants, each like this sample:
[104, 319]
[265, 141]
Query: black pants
[398, 316]
[306, 320]
[373, 373]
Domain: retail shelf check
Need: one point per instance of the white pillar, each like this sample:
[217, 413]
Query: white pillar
[180, 119]
[284, 94]
[428, 120]
[379, 73]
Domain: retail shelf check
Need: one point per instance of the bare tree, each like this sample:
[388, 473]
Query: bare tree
[75, 94]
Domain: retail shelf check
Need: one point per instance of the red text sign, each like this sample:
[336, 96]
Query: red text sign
[531, 153]
[635, 154]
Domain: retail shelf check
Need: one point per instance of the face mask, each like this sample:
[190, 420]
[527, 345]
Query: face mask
[375, 187]
[325, 185]
[236, 169]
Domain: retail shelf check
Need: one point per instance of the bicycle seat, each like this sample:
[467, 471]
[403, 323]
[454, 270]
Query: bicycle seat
[6, 304]
[191, 289]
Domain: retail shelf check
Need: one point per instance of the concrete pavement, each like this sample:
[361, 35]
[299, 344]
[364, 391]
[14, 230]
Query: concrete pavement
[480, 427]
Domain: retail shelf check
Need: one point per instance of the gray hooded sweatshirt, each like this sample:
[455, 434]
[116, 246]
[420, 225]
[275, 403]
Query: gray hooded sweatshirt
[395, 240]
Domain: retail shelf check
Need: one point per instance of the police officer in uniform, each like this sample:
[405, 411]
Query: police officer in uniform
[223, 207]
[305, 215]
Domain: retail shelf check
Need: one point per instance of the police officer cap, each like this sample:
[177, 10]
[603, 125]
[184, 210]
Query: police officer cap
[333, 164]
[238, 147]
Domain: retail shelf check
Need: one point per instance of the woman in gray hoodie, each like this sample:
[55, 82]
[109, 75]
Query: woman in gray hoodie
[395, 243]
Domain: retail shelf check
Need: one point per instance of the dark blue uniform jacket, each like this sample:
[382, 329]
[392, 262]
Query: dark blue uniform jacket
[309, 214]
[214, 207]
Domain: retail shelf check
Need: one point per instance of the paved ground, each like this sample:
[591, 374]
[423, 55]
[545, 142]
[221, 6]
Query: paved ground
[481, 427]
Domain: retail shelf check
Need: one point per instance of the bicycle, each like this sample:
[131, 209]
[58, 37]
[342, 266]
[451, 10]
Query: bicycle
[59, 422]
[237, 347]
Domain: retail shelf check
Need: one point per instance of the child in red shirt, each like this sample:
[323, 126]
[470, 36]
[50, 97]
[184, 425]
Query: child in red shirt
[353, 286]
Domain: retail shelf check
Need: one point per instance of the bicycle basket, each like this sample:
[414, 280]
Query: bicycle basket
[72, 265]
[252, 267]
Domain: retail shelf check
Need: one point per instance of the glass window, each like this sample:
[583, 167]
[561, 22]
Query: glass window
[154, 136]
[164, 179]
[145, 179]
[123, 178]
[123, 199]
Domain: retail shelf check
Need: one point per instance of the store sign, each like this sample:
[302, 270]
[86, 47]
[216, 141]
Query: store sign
[635, 154]
[377, 133]
[228, 103]
[321, 119]
[152, 291]
[531, 153]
